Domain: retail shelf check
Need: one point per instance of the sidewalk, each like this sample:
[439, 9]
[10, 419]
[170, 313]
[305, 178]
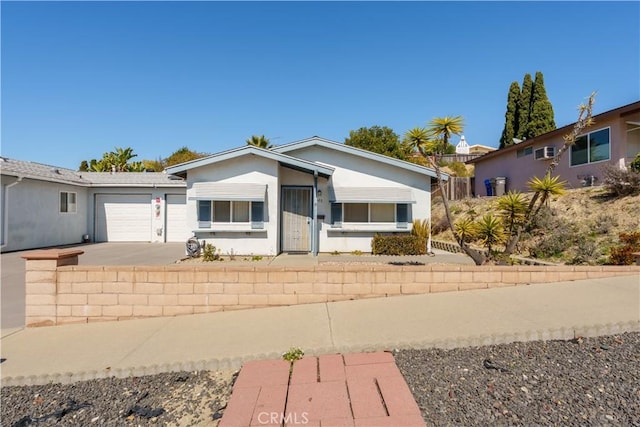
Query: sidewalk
[227, 339]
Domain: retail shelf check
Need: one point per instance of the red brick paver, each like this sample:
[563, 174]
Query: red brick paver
[350, 390]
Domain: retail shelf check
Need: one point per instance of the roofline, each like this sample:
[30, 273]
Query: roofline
[182, 184]
[621, 111]
[314, 140]
[44, 179]
[89, 184]
[250, 149]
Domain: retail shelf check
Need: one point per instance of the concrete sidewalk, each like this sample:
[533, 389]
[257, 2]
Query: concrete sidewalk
[227, 339]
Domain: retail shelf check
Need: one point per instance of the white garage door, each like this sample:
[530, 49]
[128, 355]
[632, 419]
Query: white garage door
[123, 217]
[177, 230]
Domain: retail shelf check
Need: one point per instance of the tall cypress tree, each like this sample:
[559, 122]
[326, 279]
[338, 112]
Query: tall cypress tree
[524, 106]
[511, 116]
[541, 118]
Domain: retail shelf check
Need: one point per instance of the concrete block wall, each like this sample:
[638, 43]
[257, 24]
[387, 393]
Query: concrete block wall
[60, 294]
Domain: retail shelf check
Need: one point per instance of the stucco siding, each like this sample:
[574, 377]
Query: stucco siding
[356, 171]
[519, 170]
[33, 218]
[245, 169]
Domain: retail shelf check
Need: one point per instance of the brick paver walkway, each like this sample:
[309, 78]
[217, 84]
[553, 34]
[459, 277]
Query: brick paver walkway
[355, 390]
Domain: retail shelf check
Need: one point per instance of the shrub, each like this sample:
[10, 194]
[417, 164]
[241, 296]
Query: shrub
[621, 182]
[421, 228]
[635, 164]
[621, 255]
[400, 244]
[209, 253]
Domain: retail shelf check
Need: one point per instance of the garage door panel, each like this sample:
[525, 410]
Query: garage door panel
[123, 217]
[176, 228]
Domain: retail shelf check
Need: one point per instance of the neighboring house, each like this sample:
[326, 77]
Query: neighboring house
[308, 196]
[480, 149]
[45, 205]
[614, 138]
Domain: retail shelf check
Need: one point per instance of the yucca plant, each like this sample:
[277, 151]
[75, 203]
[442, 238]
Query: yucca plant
[512, 208]
[547, 186]
[490, 231]
[466, 229]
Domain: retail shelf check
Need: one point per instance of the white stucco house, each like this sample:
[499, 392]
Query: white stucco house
[308, 196]
[45, 205]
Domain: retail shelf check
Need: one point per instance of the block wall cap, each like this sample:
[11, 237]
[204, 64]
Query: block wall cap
[51, 254]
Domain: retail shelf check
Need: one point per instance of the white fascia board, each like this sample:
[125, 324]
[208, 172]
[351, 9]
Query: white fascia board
[268, 154]
[309, 142]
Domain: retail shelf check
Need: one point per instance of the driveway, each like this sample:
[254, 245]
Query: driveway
[12, 293]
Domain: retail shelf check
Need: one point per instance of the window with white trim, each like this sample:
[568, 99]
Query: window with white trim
[68, 202]
[368, 213]
[592, 147]
[226, 212]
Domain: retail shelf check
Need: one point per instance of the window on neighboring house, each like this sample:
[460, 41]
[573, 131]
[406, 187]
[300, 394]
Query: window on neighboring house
[68, 202]
[592, 147]
[368, 213]
[220, 211]
[524, 152]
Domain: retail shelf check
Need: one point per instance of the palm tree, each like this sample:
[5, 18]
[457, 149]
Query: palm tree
[428, 142]
[442, 128]
[259, 141]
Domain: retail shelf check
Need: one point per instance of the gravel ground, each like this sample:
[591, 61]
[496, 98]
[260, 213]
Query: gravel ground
[172, 399]
[592, 381]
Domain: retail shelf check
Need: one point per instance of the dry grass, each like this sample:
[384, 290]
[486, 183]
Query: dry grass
[580, 228]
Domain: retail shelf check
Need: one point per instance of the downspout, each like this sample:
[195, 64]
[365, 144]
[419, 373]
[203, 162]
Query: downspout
[5, 213]
[314, 219]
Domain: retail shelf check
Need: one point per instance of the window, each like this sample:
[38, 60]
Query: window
[356, 212]
[590, 148]
[68, 202]
[524, 152]
[383, 212]
[220, 211]
[368, 213]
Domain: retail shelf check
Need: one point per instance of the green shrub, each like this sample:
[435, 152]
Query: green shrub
[209, 253]
[621, 255]
[635, 164]
[398, 244]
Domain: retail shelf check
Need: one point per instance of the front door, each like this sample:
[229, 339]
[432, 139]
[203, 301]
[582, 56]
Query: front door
[296, 219]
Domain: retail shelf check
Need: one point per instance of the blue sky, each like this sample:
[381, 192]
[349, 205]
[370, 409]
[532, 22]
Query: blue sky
[80, 78]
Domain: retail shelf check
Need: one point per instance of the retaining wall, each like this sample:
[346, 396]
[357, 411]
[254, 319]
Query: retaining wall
[59, 291]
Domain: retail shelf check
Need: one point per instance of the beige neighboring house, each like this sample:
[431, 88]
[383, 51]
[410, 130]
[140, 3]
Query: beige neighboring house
[614, 139]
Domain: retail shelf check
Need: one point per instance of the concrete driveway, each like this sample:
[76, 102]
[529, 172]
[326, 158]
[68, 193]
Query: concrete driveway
[12, 293]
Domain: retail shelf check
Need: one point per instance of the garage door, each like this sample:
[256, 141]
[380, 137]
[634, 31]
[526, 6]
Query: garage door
[123, 217]
[177, 230]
